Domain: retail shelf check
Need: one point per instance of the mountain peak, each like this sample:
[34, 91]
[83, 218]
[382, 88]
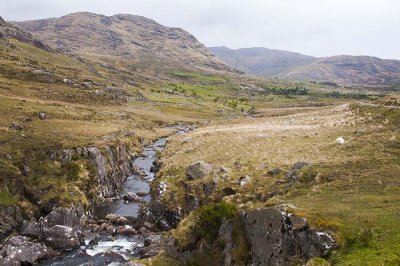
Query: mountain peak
[124, 36]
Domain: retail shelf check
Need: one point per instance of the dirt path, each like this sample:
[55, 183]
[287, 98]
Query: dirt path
[317, 118]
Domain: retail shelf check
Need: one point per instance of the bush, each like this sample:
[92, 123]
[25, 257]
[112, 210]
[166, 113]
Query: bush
[209, 219]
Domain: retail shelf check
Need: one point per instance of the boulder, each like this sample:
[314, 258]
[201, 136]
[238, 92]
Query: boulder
[340, 141]
[62, 237]
[277, 236]
[244, 180]
[87, 84]
[68, 82]
[132, 197]
[19, 250]
[112, 217]
[198, 170]
[42, 116]
[10, 219]
[64, 216]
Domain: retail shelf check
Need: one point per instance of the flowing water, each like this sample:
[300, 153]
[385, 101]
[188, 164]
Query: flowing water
[108, 250]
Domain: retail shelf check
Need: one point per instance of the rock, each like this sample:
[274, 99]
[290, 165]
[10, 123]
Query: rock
[42, 116]
[224, 169]
[10, 219]
[19, 250]
[16, 126]
[64, 216]
[25, 170]
[275, 171]
[340, 141]
[244, 180]
[191, 203]
[62, 237]
[31, 229]
[122, 220]
[87, 84]
[276, 236]
[198, 170]
[152, 239]
[132, 197]
[292, 175]
[68, 82]
[42, 72]
[126, 230]
[225, 233]
[111, 217]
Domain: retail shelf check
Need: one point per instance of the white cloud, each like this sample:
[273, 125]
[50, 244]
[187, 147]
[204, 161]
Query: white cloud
[315, 27]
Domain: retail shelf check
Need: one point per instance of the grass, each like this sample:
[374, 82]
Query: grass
[351, 190]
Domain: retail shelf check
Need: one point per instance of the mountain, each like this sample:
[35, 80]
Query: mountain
[262, 61]
[139, 40]
[353, 70]
[9, 31]
[344, 70]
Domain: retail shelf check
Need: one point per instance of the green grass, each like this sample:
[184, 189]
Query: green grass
[199, 77]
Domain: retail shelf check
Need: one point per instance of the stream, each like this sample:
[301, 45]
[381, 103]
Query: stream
[115, 250]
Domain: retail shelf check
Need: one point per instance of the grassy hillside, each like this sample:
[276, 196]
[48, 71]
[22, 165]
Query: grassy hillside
[351, 189]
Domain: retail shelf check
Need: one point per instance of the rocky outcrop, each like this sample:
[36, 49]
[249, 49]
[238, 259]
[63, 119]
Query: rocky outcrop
[276, 236]
[112, 166]
[61, 229]
[10, 219]
[23, 250]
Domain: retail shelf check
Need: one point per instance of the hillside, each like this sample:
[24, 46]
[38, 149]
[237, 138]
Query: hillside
[262, 61]
[343, 70]
[353, 70]
[139, 41]
[9, 31]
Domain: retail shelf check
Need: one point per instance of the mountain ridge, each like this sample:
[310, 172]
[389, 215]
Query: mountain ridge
[340, 69]
[124, 37]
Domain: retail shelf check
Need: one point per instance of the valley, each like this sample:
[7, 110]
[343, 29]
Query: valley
[139, 147]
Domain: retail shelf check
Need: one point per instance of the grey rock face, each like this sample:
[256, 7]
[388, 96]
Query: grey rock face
[276, 236]
[22, 250]
[199, 170]
[10, 219]
[61, 229]
[111, 173]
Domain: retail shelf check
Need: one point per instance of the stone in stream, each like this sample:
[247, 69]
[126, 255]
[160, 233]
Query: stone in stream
[132, 197]
[199, 170]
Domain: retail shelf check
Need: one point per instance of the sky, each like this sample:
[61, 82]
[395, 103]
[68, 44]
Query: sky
[312, 27]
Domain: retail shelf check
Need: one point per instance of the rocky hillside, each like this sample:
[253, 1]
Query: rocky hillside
[9, 31]
[343, 70]
[262, 61]
[357, 70]
[134, 38]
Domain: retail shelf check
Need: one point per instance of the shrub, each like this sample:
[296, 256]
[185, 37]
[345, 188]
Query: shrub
[209, 218]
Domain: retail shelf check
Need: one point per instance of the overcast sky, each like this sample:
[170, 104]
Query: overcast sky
[314, 27]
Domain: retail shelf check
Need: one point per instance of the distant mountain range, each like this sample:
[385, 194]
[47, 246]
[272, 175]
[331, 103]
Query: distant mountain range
[343, 70]
[139, 40]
